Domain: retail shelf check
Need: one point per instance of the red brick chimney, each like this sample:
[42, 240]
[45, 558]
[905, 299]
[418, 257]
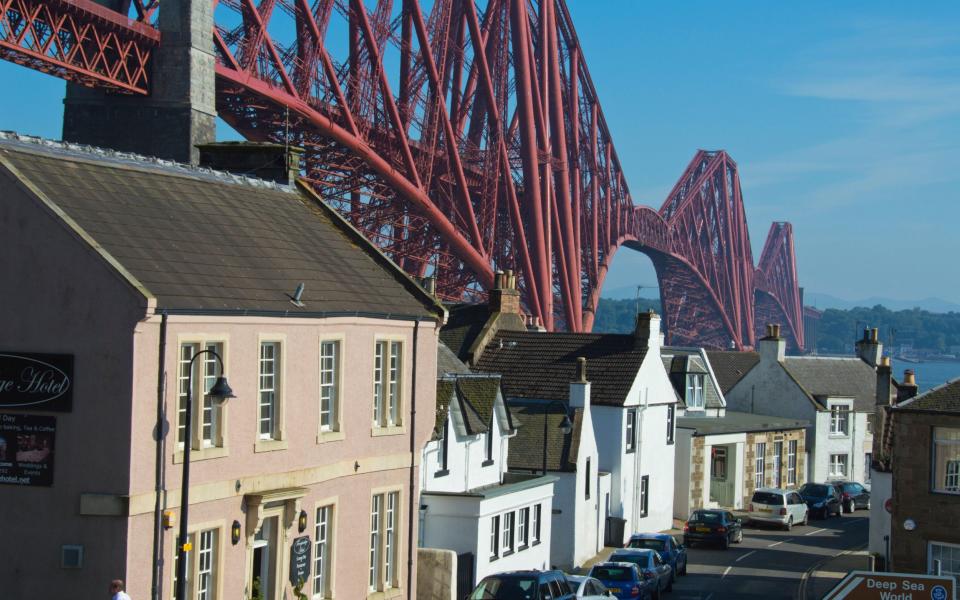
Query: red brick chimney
[504, 297]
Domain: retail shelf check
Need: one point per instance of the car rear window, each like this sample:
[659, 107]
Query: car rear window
[851, 487]
[706, 517]
[652, 544]
[818, 491]
[640, 560]
[767, 498]
[506, 588]
[612, 573]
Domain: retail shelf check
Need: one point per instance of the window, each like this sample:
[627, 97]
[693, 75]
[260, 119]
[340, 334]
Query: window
[792, 462]
[839, 419]
[383, 542]
[631, 442]
[671, 413]
[524, 527]
[586, 492]
[202, 574]
[870, 418]
[867, 461]
[536, 523]
[718, 466]
[946, 460]
[838, 466]
[322, 553]
[207, 416]
[488, 446]
[444, 449]
[388, 361]
[329, 385]
[644, 495]
[777, 453]
[508, 533]
[269, 386]
[946, 556]
[494, 537]
[694, 397]
[760, 453]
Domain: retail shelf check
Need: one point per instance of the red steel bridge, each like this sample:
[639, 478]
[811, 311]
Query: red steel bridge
[463, 139]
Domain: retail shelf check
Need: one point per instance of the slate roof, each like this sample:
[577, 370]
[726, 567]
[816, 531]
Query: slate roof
[821, 377]
[464, 324]
[679, 361]
[738, 422]
[481, 392]
[730, 366]
[943, 398]
[447, 361]
[208, 242]
[526, 448]
[473, 423]
[541, 365]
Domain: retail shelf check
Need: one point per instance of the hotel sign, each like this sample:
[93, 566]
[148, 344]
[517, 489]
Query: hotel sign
[26, 449]
[36, 381]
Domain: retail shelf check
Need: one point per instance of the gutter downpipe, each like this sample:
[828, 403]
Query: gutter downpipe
[156, 571]
[413, 467]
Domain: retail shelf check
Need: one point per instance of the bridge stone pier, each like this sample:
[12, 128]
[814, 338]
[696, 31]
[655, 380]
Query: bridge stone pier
[180, 111]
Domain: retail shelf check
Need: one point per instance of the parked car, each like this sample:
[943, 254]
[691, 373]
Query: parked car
[623, 580]
[852, 495]
[782, 507]
[523, 585]
[821, 498]
[650, 566]
[666, 546]
[588, 588]
[712, 525]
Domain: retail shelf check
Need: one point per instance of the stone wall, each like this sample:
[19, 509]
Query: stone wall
[697, 477]
[769, 438]
[436, 574]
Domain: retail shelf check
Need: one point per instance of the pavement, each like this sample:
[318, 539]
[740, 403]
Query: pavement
[802, 564]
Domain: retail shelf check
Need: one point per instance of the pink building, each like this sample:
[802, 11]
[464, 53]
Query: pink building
[116, 271]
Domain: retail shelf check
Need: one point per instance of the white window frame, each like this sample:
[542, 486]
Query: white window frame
[204, 567]
[388, 381]
[695, 394]
[833, 465]
[494, 537]
[324, 550]
[671, 423]
[777, 458]
[630, 437]
[644, 496]
[330, 385]
[507, 521]
[760, 464]
[840, 414]
[207, 414]
[270, 385]
[792, 446]
[384, 541]
[523, 528]
[954, 550]
[946, 440]
[536, 519]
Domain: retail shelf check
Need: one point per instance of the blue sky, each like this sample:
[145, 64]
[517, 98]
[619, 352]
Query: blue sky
[843, 117]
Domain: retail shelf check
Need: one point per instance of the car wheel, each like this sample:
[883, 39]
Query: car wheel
[725, 544]
[789, 524]
[806, 518]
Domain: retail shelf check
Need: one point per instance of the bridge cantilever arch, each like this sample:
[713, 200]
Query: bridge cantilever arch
[462, 140]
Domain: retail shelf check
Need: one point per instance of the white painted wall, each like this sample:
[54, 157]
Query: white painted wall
[881, 489]
[682, 474]
[657, 460]
[736, 444]
[827, 444]
[463, 523]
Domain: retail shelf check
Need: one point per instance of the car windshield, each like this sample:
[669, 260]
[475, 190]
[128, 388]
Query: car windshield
[767, 498]
[641, 560]
[706, 516]
[814, 489]
[850, 487]
[506, 588]
[650, 543]
[605, 573]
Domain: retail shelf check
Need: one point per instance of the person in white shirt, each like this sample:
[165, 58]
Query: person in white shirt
[116, 588]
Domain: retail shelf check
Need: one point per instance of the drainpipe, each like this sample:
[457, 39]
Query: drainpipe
[413, 466]
[157, 571]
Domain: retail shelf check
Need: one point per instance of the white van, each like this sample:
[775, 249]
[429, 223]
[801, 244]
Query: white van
[783, 507]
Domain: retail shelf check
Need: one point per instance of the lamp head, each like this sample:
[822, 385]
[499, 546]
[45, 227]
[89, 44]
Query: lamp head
[220, 391]
[566, 426]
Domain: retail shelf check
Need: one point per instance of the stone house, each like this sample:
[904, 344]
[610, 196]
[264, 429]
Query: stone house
[127, 269]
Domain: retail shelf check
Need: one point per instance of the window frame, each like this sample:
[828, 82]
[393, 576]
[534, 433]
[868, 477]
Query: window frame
[630, 439]
[792, 447]
[954, 548]
[385, 537]
[840, 413]
[644, 496]
[494, 538]
[586, 481]
[507, 523]
[777, 463]
[523, 528]
[671, 423]
[195, 536]
[940, 482]
[278, 439]
[389, 379]
[759, 464]
[536, 521]
[831, 473]
[334, 429]
[443, 450]
[695, 397]
[327, 563]
[200, 447]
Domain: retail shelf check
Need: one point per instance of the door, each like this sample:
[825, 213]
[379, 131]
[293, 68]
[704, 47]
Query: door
[465, 581]
[263, 575]
[721, 480]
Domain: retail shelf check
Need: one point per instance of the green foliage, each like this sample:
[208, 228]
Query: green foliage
[298, 591]
[839, 329]
[620, 316]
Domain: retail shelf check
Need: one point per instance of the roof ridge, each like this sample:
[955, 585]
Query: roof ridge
[943, 385]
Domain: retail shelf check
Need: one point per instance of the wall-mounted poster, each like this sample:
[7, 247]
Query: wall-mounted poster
[36, 381]
[26, 449]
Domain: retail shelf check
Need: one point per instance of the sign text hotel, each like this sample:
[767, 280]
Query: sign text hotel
[36, 381]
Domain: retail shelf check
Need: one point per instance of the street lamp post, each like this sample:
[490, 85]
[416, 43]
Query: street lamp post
[565, 426]
[218, 393]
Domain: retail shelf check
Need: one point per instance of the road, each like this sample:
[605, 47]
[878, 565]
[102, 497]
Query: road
[772, 563]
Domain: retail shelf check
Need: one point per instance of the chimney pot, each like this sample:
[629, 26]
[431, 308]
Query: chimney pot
[874, 335]
[885, 361]
[908, 377]
[776, 330]
[581, 369]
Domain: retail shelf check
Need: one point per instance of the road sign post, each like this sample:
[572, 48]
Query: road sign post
[867, 585]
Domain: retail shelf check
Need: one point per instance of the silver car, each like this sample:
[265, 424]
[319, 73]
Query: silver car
[588, 588]
[781, 507]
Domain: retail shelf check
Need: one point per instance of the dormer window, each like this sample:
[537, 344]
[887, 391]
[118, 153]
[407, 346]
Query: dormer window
[839, 419]
[694, 397]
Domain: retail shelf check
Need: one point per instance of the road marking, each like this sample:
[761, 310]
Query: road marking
[709, 596]
[745, 555]
[727, 570]
[780, 542]
[816, 531]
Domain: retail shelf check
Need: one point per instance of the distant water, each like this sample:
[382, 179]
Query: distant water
[928, 374]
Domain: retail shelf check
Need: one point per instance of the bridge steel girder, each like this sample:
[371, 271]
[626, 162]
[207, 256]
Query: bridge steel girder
[481, 147]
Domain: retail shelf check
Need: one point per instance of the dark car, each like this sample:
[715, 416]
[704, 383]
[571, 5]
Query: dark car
[713, 525]
[666, 546]
[622, 579]
[523, 585]
[648, 562]
[822, 499]
[852, 495]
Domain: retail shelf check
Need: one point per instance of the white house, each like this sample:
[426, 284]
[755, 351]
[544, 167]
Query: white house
[835, 394]
[632, 411]
[494, 520]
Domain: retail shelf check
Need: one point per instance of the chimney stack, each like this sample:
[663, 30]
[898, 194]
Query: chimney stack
[272, 162]
[647, 330]
[884, 378]
[908, 388]
[869, 349]
[504, 297]
[773, 348]
[580, 389]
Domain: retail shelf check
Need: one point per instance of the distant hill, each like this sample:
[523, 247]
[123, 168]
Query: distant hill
[825, 301]
[619, 316]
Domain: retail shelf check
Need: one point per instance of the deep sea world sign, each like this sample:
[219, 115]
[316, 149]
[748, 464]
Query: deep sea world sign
[36, 381]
